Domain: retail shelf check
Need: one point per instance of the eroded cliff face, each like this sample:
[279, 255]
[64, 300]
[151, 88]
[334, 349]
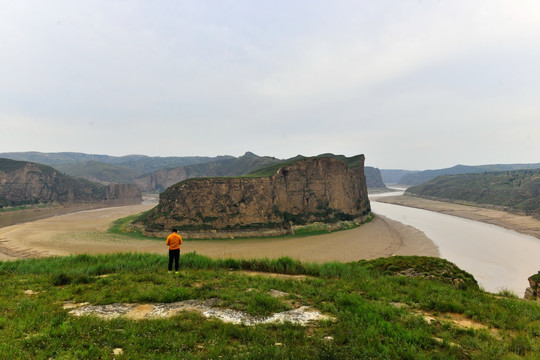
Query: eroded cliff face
[123, 192]
[31, 183]
[373, 178]
[309, 190]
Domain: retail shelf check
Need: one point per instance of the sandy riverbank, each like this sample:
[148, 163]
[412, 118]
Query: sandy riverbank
[520, 223]
[86, 232]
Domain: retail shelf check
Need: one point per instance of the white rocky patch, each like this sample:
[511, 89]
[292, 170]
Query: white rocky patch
[302, 315]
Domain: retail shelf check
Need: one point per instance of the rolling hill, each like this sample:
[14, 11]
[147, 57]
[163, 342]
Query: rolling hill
[516, 189]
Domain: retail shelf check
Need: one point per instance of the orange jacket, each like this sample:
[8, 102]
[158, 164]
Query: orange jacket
[174, 241]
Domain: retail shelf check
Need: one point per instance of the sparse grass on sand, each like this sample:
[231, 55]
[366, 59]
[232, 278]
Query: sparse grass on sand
[126, 226]
[378, 314]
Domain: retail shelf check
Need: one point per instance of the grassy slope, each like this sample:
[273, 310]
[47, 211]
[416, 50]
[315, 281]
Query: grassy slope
[358, 295]
[519, 189]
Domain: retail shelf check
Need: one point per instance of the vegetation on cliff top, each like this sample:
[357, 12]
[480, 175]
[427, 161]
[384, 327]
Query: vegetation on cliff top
[376, 315]
[352, 162]
[517, 190]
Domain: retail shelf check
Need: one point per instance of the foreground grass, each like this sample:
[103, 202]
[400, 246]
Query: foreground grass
[375, 311]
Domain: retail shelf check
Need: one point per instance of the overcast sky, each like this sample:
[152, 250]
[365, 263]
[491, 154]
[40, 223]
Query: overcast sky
[410, 84]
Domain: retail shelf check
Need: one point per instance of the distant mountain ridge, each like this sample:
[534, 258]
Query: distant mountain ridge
[419, 177]
[140, 164]
[155, 174]
[161, 179]
[23, 183]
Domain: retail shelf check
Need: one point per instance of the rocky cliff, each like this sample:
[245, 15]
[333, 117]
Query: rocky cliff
[308, 190]
[373, 178]
[533, 291]
[30, 183]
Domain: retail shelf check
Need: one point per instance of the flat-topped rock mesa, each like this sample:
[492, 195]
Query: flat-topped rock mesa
[309, 190]
[24, 183]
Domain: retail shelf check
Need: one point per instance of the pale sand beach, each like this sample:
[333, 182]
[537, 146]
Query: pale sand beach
[86, 232]
[521, 223]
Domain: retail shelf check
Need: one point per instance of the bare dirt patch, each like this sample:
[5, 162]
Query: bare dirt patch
[453, 319]
[273, 275]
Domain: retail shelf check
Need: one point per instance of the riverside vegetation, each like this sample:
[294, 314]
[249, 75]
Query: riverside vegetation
[436, 311]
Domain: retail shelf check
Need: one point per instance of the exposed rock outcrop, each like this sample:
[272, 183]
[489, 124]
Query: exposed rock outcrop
[373, 178]
[30, 183]
[308, 190]
[533, 292]
[122, 192]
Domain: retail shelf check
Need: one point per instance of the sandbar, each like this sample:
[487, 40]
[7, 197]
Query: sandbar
[86, 232]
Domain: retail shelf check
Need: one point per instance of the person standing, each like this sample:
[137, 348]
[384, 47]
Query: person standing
[174, 241]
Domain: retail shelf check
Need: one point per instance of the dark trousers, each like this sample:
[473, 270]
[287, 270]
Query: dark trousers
[174, 255]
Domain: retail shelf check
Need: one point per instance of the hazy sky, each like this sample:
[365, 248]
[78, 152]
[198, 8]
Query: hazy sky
[410, 84]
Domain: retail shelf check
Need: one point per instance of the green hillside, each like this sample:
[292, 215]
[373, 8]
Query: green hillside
[373, 312]
[519, 189]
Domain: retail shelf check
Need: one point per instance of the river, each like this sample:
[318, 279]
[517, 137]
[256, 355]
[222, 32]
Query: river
[498, 258]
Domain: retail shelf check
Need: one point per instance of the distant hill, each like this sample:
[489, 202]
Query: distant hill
[100, 172]
[155, 174]
[393, 176]
[23, 183]
[140, 164]
[420, 177]
[162, 179]
[516, 189]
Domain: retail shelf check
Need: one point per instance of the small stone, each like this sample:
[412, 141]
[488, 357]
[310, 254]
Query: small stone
[118, 351]
[278, 344]
[328, 338]
[29, 292]
[276, 293]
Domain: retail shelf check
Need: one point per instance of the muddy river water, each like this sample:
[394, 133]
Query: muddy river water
[498, 258]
